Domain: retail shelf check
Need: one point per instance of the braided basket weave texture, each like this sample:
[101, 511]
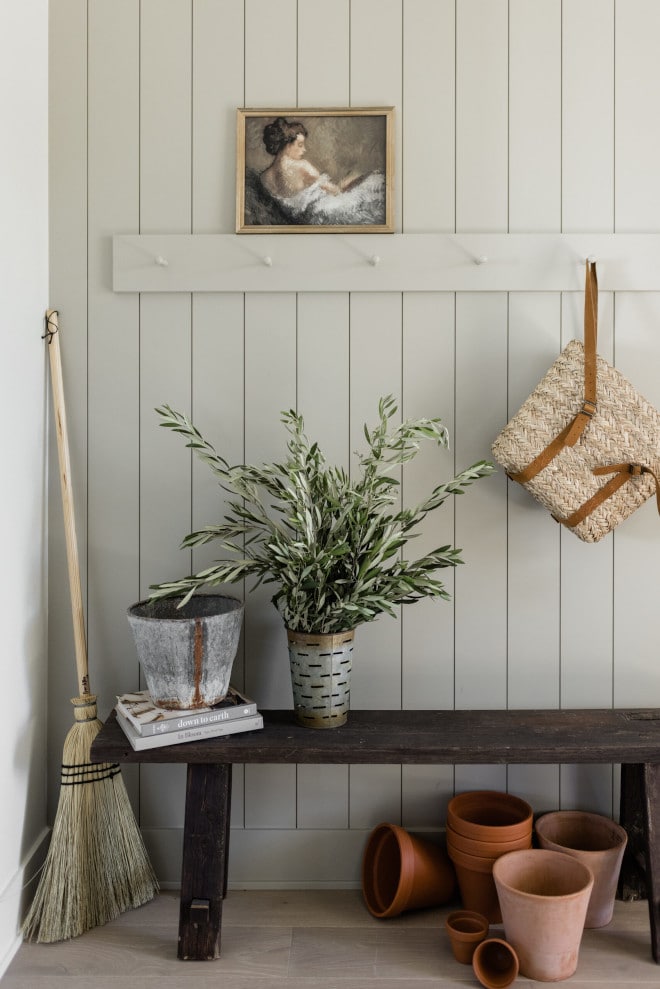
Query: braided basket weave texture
[625, 428]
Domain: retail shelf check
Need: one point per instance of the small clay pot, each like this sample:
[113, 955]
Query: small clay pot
[466, 929]
[401, 871]
[596, 841]
[495, 963]
[489, 815]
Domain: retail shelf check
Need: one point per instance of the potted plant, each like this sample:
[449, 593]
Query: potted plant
[331, 544]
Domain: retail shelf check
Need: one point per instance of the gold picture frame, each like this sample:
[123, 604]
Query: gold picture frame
[315, 170]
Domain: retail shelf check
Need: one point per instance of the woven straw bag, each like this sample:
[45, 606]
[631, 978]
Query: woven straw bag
[582, 423]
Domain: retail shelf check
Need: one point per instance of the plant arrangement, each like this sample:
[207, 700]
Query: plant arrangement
[331, 543]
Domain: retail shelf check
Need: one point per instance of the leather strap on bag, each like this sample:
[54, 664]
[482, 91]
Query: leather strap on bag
[622, 474]
[571, 433]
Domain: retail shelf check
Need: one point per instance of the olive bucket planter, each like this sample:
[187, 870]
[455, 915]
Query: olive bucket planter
[187, 653]
[401, 871]
[321, 668]
[596, 841]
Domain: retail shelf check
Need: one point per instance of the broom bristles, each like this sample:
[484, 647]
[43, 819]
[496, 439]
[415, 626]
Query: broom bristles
[97, 866]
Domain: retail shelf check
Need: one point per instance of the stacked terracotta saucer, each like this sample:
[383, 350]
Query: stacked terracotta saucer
[482, 825]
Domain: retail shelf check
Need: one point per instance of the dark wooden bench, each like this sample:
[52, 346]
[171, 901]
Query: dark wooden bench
[627, 737]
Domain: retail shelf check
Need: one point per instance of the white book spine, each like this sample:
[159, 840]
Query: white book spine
[203, 719]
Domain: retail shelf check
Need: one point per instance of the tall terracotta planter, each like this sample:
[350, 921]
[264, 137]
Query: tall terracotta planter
[401, 871]
[544, 897]
[596, 841]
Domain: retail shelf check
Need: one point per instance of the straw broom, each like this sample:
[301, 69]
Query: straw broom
[97, 865]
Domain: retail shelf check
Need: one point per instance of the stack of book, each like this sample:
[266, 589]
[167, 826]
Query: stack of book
[147, 726]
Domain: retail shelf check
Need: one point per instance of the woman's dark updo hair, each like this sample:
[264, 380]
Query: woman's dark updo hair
[280, 133]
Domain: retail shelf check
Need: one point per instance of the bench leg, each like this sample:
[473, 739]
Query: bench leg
[651, 805]
[206, 829]
[632, 880]
[225, 870]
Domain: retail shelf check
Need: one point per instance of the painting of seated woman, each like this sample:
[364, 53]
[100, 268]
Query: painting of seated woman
[315, 171]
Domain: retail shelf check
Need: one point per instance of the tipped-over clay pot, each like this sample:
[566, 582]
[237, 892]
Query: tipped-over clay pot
[401, 871]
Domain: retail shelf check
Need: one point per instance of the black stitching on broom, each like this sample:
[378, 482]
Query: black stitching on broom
[90, 767]
[50, 333]
[94, 771]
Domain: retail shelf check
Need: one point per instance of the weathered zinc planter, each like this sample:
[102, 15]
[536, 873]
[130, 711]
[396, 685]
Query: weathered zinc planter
[187, 653]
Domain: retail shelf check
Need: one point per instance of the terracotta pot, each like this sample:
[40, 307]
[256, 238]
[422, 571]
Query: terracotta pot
[488, 815]
[476, 884]
[479, 863]
[403, 872]
[466, 929]
[596, 841]
[544, 897]
[495, 963]
[485, 849]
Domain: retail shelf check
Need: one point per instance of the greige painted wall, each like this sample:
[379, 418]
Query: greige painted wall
[511, 116]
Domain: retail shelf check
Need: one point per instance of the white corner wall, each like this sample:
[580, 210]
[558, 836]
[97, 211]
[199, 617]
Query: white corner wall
[24, 293]
[511, 117]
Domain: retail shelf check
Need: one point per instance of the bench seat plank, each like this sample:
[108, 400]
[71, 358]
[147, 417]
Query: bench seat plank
[419, 737]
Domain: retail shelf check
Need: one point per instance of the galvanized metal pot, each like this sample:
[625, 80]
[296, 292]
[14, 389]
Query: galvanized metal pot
[321, 677]
[187, 653]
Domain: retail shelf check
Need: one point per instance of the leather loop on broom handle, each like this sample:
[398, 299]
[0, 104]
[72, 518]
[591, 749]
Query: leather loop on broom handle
[571, 433]
[622, 474]
[52, 335]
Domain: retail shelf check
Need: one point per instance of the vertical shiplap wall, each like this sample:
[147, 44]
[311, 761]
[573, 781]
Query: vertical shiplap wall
[510, 116]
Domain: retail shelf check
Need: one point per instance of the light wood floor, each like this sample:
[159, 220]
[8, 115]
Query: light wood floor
[307, 940]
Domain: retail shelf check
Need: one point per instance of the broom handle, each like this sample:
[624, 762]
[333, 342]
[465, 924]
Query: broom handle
[80, 643]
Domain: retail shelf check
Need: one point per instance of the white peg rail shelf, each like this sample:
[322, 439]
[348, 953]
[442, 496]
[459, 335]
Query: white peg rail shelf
[478, 262]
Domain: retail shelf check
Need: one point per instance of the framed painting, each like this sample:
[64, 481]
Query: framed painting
[315, 171]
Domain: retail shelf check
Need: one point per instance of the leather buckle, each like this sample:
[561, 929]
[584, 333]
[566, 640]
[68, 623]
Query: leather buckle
[589, 409]
[636, 470]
